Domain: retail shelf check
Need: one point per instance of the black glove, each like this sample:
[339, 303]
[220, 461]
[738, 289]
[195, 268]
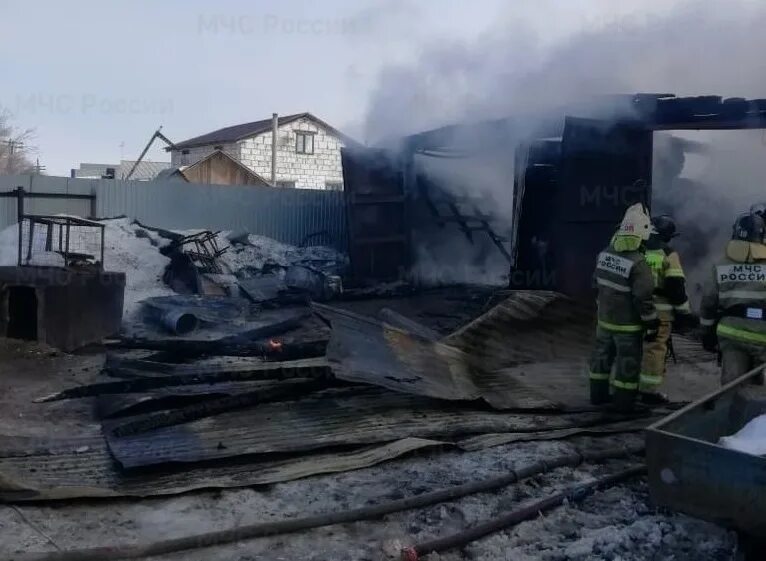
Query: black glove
[650, 330]
[710, 341]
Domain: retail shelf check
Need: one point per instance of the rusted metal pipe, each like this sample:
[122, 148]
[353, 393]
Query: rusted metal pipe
[178, 322]
[531, 510]
[260, 530]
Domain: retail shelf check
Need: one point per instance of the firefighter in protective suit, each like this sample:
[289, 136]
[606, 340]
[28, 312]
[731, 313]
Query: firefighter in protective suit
[733, 308]
[671, 302]
[626, 312]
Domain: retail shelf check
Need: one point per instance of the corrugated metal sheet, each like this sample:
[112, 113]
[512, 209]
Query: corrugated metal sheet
[145, 171]
[364, 350]
[356, 416]
[287, 215]
[500, 438]
[53, 469]
[529, 327]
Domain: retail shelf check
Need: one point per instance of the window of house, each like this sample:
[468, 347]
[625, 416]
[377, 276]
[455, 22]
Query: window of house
[184, 157]
[333, 185]
[290, 184]
[304, 142]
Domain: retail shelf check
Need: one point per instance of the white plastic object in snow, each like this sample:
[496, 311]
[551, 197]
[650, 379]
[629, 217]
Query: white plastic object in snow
[750, 439]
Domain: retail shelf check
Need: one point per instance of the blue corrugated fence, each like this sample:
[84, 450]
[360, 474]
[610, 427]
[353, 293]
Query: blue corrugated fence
[287, 215]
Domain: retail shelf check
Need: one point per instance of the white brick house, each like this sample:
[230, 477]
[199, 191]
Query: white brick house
[308, 150]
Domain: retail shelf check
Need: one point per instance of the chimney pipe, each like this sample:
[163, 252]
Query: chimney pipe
[274, 130]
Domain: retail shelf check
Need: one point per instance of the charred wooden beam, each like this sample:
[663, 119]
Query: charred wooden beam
[217, 406]
[184, 349]
[309, 368]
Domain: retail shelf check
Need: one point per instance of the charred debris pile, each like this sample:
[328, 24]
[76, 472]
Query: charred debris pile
[255, 268]
[261, 395]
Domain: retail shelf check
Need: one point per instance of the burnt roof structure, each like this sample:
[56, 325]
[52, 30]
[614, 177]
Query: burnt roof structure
[648, 110]
[577, 168]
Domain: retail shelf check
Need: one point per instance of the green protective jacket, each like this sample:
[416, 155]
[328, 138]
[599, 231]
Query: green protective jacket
[734, 297]
[625, 287]
[669, 279]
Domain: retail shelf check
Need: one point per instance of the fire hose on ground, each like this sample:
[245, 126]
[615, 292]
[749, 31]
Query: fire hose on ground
[527, 512]
[260, 530]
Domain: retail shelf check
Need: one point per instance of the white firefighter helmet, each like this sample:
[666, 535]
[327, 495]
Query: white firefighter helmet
[636, 222]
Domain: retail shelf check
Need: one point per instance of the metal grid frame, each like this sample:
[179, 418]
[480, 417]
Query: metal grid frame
[58, 239]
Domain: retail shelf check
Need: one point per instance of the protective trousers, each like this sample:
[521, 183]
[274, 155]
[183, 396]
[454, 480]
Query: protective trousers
[655, 353]
[623, 351]
[738, 358]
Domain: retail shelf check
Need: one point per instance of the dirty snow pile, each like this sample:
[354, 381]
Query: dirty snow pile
[128, 249]
[250, 255]
[131, 249]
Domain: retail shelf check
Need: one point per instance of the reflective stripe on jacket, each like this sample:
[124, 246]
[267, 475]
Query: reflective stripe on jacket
[625, 286]
[669, 279]
[735, 295]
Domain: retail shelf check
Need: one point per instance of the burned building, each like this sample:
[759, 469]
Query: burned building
[539, 195]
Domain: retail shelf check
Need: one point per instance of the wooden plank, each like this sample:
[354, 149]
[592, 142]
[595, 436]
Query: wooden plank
[307, 368]
[116, 405]
[286, 350]
[215, 406]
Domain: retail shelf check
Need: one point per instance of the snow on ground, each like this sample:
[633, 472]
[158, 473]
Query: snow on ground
[137, 256]
[618, 524]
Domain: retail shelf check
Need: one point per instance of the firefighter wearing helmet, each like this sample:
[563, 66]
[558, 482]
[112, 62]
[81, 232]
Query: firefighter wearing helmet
[671, 302]
[626, 312]
[733, 308]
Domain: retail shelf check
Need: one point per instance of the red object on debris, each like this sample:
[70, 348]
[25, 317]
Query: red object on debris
[275, 345]
[409, 554]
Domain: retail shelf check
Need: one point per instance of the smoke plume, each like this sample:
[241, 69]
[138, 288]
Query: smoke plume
[699, 48]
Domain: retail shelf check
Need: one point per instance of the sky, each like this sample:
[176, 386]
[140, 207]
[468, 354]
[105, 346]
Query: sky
[95, 79]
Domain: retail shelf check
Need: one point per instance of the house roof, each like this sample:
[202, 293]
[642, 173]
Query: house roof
[246, 130]
[88, 171]
[146, 170]
[171, 174]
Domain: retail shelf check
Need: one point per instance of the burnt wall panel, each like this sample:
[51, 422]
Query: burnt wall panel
[377, 216]
[533, 267]
[574, 197]
[605, 168]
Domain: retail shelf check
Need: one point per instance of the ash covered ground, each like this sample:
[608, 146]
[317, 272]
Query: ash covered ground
[618, 524]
